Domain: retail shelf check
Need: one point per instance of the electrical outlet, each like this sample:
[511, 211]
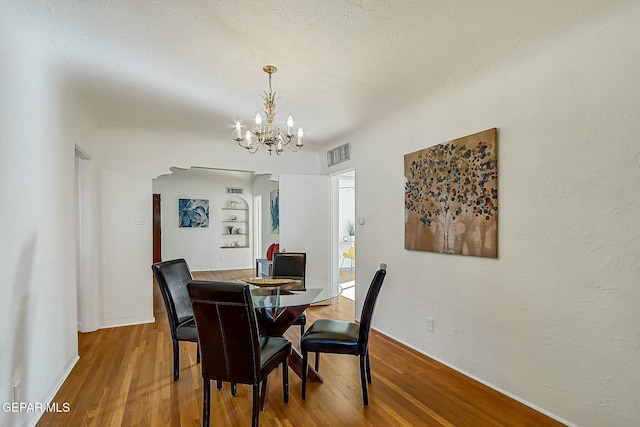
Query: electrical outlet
[17, 391]
[429, 324]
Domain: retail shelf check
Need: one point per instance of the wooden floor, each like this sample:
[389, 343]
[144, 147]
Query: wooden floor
[347, 274]
[124, 378]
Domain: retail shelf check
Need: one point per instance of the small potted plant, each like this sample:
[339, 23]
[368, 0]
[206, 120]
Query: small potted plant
[351, 229]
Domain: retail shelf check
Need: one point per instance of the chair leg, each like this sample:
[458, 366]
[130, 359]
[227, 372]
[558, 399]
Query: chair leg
[301, 330]
[342, 263]
[317, 361]
[255, 411]
[285, 379]
[363, 379]
[219, 384]
[305, 368]
[176, 360]
[234, 389]
[198, 353]
[368, 369]
[206, 401]
[263, 393]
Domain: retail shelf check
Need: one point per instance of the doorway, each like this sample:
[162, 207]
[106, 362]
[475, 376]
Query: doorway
[345, 232]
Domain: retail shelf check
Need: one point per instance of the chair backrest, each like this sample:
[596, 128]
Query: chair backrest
[369, 305]
[273, 248]
[172, 277]
[289, 264]
[227, 331]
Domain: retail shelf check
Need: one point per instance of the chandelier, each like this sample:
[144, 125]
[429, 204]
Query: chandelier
[275, 139]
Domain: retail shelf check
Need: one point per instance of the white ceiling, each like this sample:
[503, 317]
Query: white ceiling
[197, 64]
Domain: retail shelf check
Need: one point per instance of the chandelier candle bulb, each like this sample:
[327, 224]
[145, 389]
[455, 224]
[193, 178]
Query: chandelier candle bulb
[300, 135]
[248, 137]
[258, 122]
[289, 125]
[238, 130]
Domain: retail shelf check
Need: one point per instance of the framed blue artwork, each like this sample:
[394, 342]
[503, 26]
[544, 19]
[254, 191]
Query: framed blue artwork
[193, 212]
[275, 211]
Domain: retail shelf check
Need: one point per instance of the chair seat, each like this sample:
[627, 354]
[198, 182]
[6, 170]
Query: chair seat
[187, 331]
[334, 336]
[301, 320]
[271, 350]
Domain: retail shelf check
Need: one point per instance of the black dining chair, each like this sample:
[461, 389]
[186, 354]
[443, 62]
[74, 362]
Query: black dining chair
[341, 337]
[291, 264]
[232, 349]
[172, 277]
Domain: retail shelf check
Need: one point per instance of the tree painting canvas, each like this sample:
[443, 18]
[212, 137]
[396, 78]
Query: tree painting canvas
[451, 197]
[193, 212]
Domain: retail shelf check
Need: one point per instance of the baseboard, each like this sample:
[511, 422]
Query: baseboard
[38, 414]
[117, 323]
[481, 381]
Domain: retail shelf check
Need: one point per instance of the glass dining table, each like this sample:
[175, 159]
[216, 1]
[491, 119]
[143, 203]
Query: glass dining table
[280, 301]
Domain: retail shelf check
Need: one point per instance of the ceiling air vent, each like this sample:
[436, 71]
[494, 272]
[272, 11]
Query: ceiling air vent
[235, 190]
[339, 154]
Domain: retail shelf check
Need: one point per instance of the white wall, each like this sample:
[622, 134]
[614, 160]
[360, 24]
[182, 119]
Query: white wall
[40, 121]
[555, 319]
[201, 247]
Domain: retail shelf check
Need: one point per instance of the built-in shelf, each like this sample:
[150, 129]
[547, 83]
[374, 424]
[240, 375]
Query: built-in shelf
[234, 218]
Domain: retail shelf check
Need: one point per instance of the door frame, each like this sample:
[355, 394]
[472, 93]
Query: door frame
[87, 295]
[157, 227]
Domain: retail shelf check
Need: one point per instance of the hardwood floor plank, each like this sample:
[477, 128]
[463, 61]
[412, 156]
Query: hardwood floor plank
[125, 378]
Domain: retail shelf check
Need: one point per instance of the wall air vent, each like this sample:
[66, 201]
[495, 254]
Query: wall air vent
[235, 190]
[339, 154]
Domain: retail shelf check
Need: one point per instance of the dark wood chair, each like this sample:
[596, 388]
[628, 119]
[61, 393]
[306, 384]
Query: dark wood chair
[338, 336]
[231, 347]
[172, 277]
[291, 264]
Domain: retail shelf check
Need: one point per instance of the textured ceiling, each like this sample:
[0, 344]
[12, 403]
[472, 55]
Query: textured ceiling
[197, 64]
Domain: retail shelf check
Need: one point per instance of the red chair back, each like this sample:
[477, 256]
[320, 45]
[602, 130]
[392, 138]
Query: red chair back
[273, 248]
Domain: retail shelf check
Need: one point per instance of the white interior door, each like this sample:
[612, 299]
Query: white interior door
[304, 221]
